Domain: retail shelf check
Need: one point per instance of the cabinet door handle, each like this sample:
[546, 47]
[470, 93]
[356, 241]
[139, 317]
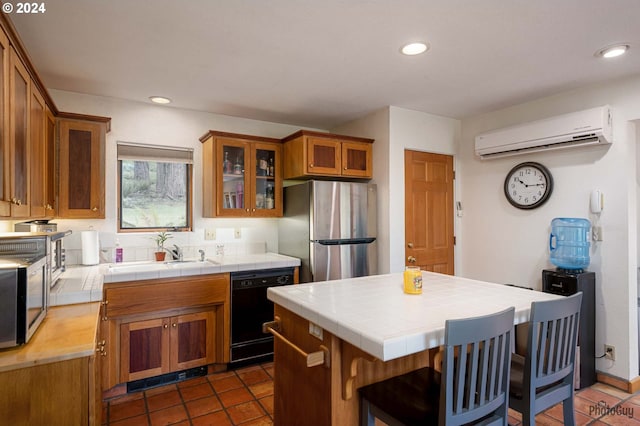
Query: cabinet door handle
[411, 259]
[166, 325]
[311, 165]
[95, 209]
[174, 325]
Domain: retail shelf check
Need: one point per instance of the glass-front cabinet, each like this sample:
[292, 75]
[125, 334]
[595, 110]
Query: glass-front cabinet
[241, 176]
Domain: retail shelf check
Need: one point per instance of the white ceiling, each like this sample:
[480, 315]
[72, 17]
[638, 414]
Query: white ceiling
[320, 63]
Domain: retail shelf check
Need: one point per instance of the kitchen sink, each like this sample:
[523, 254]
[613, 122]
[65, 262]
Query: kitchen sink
[151, 266]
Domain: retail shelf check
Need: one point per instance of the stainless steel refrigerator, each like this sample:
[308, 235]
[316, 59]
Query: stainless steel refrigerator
[331, 227]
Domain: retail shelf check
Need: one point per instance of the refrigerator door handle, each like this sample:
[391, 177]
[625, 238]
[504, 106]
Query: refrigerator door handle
[345, 242]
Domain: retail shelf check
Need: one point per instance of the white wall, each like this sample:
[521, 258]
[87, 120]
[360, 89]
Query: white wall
[148, 123]
[502, 244]
[396, 129]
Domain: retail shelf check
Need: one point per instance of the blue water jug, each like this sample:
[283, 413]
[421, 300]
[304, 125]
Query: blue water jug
[571, 237]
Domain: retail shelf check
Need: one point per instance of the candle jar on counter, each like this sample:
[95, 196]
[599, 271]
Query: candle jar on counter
[412, 280]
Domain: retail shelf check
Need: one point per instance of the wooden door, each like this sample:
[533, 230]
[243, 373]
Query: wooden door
[5, 181]
[19, 94]
[192, 343]
[323, 156]
[144, 349]
[357, 159]
[38, 174]
[429, 211]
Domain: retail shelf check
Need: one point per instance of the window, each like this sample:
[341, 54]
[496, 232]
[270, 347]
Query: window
[155, 187]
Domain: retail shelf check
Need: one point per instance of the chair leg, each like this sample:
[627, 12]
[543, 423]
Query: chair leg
[568, 412]
[528, 418]
[366, 417]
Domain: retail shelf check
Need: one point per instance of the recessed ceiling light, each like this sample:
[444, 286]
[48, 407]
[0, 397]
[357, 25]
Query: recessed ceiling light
[414, 48]
[613, 51]
[160, 99]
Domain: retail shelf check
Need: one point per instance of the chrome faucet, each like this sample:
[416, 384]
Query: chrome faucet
[177, 253]
[201, 255]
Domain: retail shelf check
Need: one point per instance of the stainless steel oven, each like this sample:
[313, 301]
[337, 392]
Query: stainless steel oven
[24, 288]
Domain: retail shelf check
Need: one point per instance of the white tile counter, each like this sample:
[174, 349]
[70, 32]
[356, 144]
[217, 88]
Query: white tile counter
[79, 284]
[375, 315]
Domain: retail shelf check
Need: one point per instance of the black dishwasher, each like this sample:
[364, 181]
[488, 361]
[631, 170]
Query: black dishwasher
[250, 308]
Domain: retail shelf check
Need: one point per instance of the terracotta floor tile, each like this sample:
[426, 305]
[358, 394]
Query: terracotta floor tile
[132, 421]
[235, 396]
[126, 409]
[163, 400]
[263, 389]
[192, 382]
[221, 375]
[619, 420]
[262, 421]
[585, 406]
[203, 406]
[268, 368]
[609, 390]
[244, 412]
[226, 383]
[168, 416]
[126, 398]
[267, 404]
[218, 418]
[599, 396]
[160, 389]
[196, 392]
[544, 420]
[252, 375]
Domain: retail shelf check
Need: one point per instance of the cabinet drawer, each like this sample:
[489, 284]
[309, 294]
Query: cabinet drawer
[164, 294]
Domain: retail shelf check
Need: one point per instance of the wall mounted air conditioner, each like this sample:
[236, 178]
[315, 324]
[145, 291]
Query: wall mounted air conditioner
[588, 127]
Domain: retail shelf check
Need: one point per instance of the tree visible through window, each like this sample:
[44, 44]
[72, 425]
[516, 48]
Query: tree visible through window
[153, 194]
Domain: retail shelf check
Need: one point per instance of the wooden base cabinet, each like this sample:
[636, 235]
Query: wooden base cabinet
[157, 346]
[309, 154]
[154, 327]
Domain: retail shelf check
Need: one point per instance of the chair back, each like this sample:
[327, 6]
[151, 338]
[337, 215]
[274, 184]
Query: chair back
[552, 341]
[475, 369]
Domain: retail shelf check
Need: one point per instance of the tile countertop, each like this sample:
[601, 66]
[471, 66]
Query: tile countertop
[80, 284]
[374, 314]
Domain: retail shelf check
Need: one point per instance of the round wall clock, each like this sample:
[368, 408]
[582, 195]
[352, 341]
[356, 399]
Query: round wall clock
[528, 185]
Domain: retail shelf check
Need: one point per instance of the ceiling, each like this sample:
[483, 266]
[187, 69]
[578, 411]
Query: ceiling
[320, 63]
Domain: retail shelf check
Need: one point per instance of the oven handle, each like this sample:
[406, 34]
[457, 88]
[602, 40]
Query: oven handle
[313, 359]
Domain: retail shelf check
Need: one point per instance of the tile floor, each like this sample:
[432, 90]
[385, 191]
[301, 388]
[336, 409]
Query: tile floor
[245, 397]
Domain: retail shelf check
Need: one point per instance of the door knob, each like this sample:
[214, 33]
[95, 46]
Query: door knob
[411, 259]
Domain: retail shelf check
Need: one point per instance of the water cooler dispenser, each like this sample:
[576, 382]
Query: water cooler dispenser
[569, 247]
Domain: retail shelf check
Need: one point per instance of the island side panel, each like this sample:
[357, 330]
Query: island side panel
[302, 395]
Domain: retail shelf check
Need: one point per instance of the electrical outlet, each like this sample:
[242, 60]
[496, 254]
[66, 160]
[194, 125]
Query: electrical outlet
[237, 233]
[610, 352]
[315, 330]
[210, 234]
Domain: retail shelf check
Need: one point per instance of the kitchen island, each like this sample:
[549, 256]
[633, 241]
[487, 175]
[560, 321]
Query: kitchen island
[362, 330]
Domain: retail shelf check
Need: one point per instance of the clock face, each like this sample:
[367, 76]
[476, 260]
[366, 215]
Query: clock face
[528, 185]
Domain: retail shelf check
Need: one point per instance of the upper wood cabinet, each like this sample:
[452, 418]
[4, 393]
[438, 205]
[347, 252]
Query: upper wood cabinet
[38, 177]
[19, 121]
[82, 166]
[309, 154]
[241, 175]
[5, 180]
[50, 164]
